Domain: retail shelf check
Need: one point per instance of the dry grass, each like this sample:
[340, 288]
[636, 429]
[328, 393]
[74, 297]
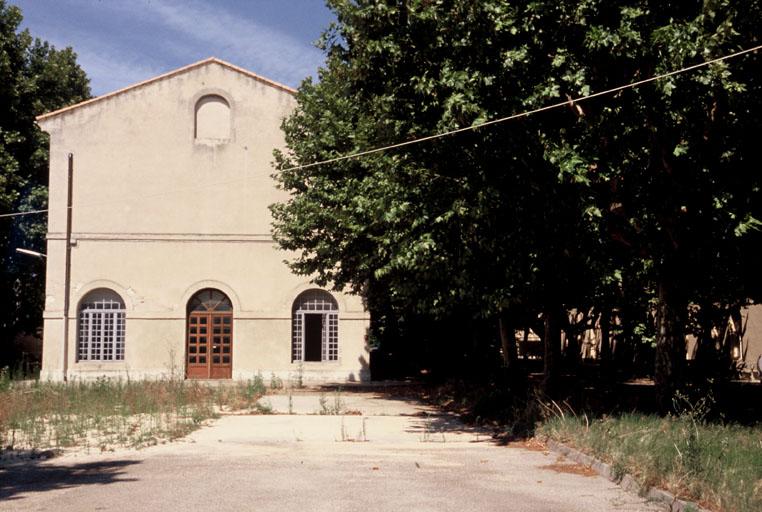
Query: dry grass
[107, 414]
[718, 466]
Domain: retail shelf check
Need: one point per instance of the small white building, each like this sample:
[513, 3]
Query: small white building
[172, 269]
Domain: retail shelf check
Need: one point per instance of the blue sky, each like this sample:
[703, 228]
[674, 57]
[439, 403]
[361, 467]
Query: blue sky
[120, 42]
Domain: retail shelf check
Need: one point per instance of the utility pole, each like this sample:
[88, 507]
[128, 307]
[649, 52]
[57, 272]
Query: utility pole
[67, 271]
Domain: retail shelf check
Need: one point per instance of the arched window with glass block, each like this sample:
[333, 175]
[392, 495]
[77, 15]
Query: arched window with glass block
[101, 327]
[315, 327]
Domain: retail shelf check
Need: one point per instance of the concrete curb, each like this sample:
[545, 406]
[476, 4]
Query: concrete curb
[627, 482]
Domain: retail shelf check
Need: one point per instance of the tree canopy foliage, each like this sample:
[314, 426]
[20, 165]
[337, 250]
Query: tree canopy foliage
[35, 78]
[644, 201]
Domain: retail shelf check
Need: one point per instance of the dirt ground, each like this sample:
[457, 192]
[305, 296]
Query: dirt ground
[377, 454]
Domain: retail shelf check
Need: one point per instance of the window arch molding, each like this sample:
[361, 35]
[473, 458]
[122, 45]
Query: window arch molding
[286, 297]
[120, 290]
[101, 326]
[197, 100]
[314, 327]
[208, 283]
[208, 300]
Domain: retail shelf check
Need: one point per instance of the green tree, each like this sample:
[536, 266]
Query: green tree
[649, 193]
[34, 78]
[478, 223]
[672, 166]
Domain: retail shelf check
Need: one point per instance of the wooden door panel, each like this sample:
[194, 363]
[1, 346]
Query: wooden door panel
[196, 358]
[221, 345]
[209, 345]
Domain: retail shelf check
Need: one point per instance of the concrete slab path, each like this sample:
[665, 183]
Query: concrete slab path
[382, 455]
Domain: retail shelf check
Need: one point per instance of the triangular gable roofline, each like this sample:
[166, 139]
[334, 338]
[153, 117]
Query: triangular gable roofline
[169, 74]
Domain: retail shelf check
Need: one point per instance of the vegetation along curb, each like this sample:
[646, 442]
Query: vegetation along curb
[627, 482]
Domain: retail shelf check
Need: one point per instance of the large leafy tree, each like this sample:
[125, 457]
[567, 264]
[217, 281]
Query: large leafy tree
[477, 223]
[672, 166]
[34, 78]
[649, 192]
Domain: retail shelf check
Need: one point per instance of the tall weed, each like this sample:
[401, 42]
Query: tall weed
[108, 413]
[718, 465]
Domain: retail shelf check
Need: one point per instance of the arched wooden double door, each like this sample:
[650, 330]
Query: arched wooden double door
[209, 336]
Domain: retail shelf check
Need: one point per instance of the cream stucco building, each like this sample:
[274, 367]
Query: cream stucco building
[171, 268]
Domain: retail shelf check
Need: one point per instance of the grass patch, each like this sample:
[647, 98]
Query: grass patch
[106, 414]
[334, 407]
[719, 466]
[716, 464]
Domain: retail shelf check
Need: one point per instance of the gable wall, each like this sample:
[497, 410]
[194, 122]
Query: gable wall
[141, 143]
[158, 216]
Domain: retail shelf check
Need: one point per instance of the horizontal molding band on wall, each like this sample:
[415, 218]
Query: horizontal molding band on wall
[235, 318]
[165, 237]
[349, 317]
[178, 318]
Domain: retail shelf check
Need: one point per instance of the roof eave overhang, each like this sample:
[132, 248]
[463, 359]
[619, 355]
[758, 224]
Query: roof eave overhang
[170, 74]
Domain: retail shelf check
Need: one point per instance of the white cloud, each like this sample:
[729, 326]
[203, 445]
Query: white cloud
[244, 41]
[108, 74]
[143, 38]
[108, 67]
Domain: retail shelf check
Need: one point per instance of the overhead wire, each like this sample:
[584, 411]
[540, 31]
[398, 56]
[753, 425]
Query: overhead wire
[511, 117]
[472, 127]
[21, 214]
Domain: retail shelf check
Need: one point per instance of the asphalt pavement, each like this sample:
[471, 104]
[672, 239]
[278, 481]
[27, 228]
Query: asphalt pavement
[379, 454]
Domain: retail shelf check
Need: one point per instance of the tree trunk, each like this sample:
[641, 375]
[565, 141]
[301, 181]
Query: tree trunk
[669, 361]
[624, 357]
[605, 350]
[552, 345]
[571, 333]
[706, 355]
[605, 336]
[705, 343]
[507, 340]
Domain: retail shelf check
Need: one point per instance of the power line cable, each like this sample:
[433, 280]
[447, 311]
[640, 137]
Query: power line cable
[524, 114]
[448, 133]
[21, 214]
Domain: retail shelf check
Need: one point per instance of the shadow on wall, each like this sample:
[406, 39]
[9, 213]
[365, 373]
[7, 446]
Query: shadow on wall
[363, 375]
[30, 476]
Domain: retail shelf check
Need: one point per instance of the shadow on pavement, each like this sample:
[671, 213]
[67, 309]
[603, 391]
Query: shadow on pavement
[35, 476]
[430, 426]
[388, 388]
[430, 423]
